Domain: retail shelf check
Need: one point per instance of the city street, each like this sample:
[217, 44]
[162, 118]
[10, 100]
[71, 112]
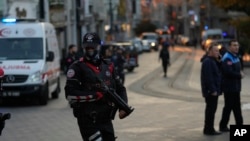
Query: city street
[166, 109]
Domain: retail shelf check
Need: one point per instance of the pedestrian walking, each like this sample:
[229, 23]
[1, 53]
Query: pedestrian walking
[211, 87]
[72, 56]
[88, 82]
[164, 56]
[231, 86]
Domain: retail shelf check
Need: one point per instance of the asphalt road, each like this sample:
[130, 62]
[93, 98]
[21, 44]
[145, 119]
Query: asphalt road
[166, 109]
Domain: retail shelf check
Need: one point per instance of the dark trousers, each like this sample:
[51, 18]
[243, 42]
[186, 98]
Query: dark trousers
[165, 66]
[211, 107]
[122, 77]
[94, 126]
[96, 131]
[232, 103]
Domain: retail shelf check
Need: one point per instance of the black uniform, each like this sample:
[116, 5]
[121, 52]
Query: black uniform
[165, 57]
[70, 59]
[119, 61]
[2, 123]
[94, 113]
[231, 86]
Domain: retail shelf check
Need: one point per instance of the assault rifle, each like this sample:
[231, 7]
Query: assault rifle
[116, 99]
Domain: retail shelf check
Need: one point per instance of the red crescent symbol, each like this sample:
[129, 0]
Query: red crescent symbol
[1, 32]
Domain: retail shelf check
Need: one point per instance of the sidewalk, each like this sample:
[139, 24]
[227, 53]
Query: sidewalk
[175, 111]
[186, 83]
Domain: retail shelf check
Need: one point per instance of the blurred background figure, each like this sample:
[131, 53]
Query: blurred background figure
[107, 52]
[119, 61]
[72, 56]
[115, 54]
[164, 56]
[3, 116]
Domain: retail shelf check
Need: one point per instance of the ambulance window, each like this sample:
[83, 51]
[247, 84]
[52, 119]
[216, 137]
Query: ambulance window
[21, 48]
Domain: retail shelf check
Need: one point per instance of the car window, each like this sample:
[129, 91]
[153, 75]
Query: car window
[148, 37]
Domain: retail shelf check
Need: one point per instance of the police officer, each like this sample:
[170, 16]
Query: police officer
[71, 56]
[231, 86]
[3, 116]
[2, 123]
[119, 61]
[107, 52]
[92, 108]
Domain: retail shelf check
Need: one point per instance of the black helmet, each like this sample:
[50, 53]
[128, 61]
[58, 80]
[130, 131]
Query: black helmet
[91, 38]
[91, 46]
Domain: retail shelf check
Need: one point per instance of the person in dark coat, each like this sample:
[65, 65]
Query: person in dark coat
[231, 86]
[119, 61]
[164, 56]
[72, 56]
[211, 87]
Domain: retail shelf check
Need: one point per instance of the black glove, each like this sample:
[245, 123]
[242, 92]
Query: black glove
[103, 88]
[3, 117]
[2, 123]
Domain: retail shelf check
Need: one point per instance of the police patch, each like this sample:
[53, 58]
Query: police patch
[229, 62]
[108, 73]
[70, 73]
[90, 38]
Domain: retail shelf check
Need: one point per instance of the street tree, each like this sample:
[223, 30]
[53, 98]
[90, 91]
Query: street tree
[241, 23]
[234, 5]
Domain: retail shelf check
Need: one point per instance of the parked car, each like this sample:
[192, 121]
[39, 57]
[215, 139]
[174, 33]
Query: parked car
[137, 43]
[211, 34]
[223, 43]
[150, 41]
[183, 40]
[131, 55]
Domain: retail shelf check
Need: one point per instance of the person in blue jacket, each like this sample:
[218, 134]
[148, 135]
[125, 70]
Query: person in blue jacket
[211, 87]
[231, 86]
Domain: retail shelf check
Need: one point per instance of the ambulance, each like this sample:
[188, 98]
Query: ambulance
[29, 56]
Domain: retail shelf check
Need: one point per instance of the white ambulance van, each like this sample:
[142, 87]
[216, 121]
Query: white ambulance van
[29, 56]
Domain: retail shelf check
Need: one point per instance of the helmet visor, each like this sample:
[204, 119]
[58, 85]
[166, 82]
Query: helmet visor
[91, 49]
[89, 46]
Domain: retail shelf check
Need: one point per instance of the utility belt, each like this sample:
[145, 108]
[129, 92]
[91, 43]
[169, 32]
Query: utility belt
[92, 86]
[96, 86]
[96, 112]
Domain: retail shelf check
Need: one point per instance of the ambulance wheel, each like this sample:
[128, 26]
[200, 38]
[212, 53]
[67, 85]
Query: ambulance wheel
[56, 93]
[43, 99]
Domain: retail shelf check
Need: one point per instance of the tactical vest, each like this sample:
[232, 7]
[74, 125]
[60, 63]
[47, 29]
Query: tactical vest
[103, 109]
[91, 74]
